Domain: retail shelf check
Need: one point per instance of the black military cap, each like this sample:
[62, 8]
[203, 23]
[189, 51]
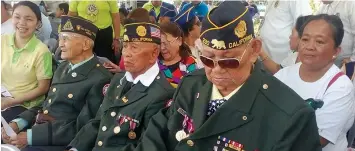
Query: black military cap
[227, 26]
[78, 25]
[141, 32]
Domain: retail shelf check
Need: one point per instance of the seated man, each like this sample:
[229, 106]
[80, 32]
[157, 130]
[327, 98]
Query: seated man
[231, 104]
[78, 87]
[132, 98]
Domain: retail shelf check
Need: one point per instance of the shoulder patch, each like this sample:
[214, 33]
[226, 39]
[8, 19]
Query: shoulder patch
[104, 89]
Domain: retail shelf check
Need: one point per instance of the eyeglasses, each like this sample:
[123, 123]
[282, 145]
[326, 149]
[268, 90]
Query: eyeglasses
[231, 63]
[167, 42]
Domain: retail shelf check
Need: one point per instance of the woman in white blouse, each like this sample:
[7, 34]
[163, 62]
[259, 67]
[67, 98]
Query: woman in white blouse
[292, 58]
[318, 78]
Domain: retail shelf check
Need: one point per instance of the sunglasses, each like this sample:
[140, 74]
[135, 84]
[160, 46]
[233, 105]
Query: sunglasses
[231, 63]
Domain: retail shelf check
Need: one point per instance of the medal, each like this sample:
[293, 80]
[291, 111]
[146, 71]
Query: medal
[120, 120]
[180, 135]
[132, 135]
[132, 126]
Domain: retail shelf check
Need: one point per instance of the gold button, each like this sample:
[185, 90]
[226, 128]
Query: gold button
[104, 128]
[45, 112]
[245, 118]
[70, 96]
[265, 86]
[50, 101]
[113, 114]
[97, 65]
[99, 143]
[190, 143]
[54, 89]
[117, 97]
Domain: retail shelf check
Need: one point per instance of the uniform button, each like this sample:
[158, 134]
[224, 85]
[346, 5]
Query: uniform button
[73, 74]
[190, 143]
[245, 118]
[117, 97]
[104, 128]
[158, 77]
[118, 86]
[117, 129]
[113, 114]
[97, 65]
[265, 86]
[45, 112]
[54, 89]
[70, 96]
[99, 143]
[50, 101]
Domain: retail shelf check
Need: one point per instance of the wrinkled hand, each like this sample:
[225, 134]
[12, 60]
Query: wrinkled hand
[20, 141]
[116, 46]
[346, 60]
[114, 68]
[4, 136]
[7, 102]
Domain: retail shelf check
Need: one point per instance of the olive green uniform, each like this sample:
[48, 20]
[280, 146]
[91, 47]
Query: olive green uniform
[139, 104]
[264, 115]
[73, 99]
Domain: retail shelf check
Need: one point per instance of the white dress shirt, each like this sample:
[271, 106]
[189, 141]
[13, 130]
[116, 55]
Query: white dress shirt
[280, 18]
[346, 11]
[45, 31]
[146, 78]
[7, 27]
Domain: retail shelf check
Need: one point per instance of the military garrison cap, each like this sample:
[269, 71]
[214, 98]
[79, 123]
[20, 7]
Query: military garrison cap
[141, 32]
[78, 25]
[227, 26]
[184, 18]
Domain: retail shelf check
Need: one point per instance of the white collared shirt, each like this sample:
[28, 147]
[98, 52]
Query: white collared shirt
[346, 11]
[7, 27]
[146, 78]
[280, 18]
[217, 95]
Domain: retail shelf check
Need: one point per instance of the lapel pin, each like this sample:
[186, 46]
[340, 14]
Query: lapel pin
[124, 99]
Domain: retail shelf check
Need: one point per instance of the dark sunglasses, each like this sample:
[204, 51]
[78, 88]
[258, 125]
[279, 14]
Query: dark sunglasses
[223, 63]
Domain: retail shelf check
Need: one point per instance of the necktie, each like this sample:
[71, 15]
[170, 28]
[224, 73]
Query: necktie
[127, 87]
[213, 105]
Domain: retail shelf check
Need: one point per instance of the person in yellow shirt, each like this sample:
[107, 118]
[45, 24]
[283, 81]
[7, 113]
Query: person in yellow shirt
[26, 63]
[105, 15]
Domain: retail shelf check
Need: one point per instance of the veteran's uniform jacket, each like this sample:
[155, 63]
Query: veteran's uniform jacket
[73, 99]
[264, 115]
[123, 114]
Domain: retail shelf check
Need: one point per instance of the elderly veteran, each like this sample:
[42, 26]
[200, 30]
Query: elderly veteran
[77, 90]
[232, 104]
[133, 96]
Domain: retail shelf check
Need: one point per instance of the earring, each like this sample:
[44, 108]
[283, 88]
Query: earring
[334, 57]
